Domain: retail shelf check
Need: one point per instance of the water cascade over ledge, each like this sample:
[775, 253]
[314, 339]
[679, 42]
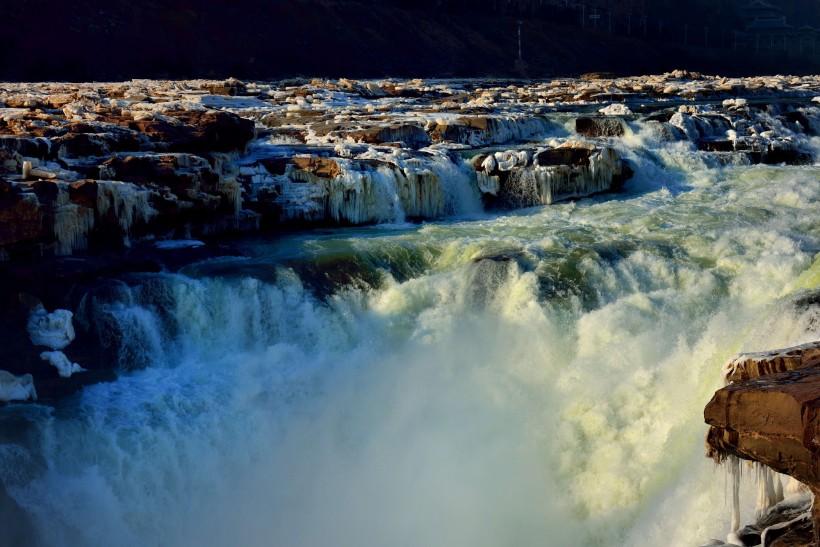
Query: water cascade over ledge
[423, 334]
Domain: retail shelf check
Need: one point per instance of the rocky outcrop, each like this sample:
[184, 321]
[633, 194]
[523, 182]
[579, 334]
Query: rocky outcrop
[98, 166]
[524, 178]
[312, 189]
[600, 126]
[101, 168]
[769, 413]
[485, 130]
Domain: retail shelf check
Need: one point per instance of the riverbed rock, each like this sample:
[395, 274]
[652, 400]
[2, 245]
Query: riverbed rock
[600, 126]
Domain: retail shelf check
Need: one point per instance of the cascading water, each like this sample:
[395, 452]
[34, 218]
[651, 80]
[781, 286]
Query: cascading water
[532, 378]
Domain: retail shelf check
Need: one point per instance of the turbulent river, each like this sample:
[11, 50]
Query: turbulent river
[534, 377]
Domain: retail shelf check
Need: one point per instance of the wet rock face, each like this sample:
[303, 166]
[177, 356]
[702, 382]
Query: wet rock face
[599, 127]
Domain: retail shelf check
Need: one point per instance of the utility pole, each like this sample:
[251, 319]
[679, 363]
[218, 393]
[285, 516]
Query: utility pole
[520, 56]
[595, 16]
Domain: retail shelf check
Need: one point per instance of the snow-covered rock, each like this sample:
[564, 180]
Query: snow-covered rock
[54, 330]
[615, 109]
[59, 360]
[16, 388]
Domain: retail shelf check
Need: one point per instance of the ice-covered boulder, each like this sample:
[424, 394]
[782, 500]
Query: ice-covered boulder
[564, 170]
[615, 109]
[16, 388]
[59, 360]
[54, 330]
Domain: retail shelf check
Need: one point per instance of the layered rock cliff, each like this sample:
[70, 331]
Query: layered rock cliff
[769, 413]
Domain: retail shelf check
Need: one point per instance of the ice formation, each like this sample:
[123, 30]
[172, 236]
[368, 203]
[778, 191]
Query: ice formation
[615, 109]
[770, 489]
[529, 178]
[54, 330]
[128, 202]
[59, 360]
[72, 222]
[16, 388]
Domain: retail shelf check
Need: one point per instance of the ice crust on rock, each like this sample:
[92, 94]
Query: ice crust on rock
[54, 330]
[16, 388]
[59, 360]
[615, 109]
[541, 177]
[198, 148]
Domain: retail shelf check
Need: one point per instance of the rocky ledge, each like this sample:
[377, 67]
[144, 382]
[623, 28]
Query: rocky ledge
[769, 414]
[102, 166]
[102, 179]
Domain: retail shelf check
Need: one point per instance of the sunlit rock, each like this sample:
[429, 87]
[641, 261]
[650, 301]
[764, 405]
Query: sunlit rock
[768, 414]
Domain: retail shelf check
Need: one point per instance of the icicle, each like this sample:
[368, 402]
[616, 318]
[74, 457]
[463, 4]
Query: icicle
[778, 487]
[734, 470]
[770, 489]
[129, 202]
[795, 487]
[72, 223]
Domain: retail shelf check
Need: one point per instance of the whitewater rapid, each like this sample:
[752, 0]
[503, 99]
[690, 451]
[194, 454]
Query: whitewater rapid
[527, 378]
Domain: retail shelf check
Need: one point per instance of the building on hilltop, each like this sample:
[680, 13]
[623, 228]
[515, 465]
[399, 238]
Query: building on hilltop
[767, 30]
[759, 10]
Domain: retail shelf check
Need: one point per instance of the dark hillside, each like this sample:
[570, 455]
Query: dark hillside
[119, 39]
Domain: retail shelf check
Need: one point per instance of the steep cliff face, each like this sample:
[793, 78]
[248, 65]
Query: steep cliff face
[769, 413]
